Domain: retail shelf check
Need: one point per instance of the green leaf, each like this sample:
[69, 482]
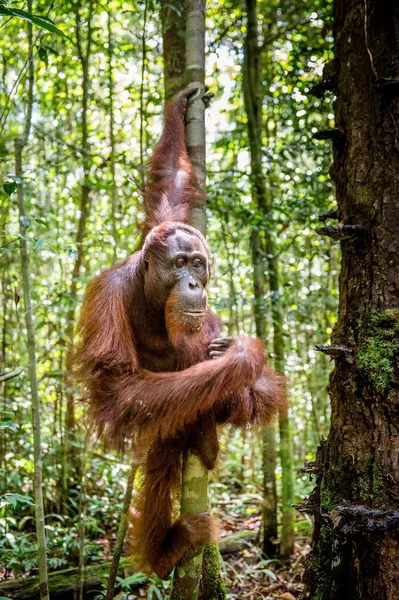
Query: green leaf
[50, 50]
[26, 221]
[135, 579]
[39, 20]
[154, 590]
[269, 573]
[7, 423]
[13, 499]
[37, 243]
[175, 8]
[9, 187]
[43, 55]
[16, 178]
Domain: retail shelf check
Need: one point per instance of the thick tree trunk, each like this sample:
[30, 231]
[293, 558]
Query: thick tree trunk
[356, 538]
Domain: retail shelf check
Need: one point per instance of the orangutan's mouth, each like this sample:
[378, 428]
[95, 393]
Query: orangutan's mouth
[193, 313]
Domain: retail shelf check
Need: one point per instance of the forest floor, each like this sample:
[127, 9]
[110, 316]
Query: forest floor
[248, 575]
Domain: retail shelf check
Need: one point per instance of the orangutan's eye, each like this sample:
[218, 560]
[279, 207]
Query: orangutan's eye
[180, 263]
[197, 262]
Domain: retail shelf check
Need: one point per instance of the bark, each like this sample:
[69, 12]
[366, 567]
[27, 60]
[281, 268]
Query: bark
[264, 256]
[355, 544]
[194, 499]
[20, 144]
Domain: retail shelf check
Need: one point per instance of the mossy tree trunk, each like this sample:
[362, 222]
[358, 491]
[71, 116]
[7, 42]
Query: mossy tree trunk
[355, 544]
[264, 256]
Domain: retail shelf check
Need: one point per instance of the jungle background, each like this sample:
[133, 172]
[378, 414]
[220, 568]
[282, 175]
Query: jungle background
[97, 109]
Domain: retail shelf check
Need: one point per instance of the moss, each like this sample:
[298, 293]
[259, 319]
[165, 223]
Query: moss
[371, 489]
[212, 584]
[377, 486]
[380, 499]
[323, 533]
[364, 491]
[326, 500]
[376, 355]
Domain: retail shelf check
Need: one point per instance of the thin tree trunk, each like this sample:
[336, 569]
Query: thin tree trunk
[355, 545]
[71, 450]
[194, 499]
[82, 519]
[143, 66]
[20, 144]
[120, 538]
[111, 87]
[195, 120]
[253, 96]
[269, 512]
[174, 47]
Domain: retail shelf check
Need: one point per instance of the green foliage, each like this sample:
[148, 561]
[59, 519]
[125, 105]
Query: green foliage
[300, 188]
[19, 553]
[39, 20]
[15, 499]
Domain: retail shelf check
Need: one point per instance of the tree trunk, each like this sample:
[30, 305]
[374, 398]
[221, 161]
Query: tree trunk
[24, 221]
[174, 47]
[188, 572]
[264, 256]
[122, 529]
[72, 459]
[355, 544]
[114, 216]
